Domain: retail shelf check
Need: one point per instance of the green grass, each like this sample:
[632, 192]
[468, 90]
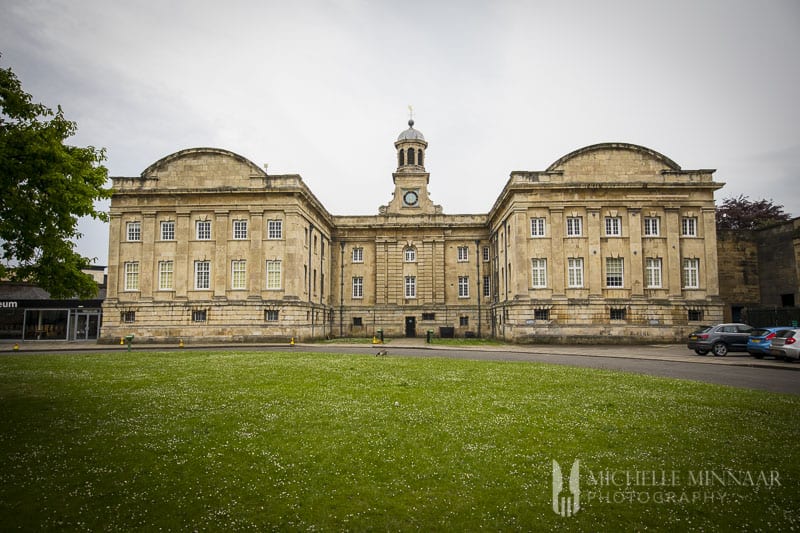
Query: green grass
[231, 441]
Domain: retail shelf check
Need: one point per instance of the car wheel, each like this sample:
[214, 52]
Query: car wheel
[700, 352]
[720, 349]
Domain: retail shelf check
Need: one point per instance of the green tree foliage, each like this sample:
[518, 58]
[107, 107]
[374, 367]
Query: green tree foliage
[45, 186]
[743, 213]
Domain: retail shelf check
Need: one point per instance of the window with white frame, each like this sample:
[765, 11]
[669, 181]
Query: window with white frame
[273, 275]
[691, 273]
[613, 226]
[358, 287]
[203, 228]
[574, 226]
[614, 272]
[411, 286]
[275, 230]
[487, 288]
[168, 230]
[537, 227]
[239, 229]
[134, 231]
[689, 226]
[575, 272]
[132, 276]
[271, 315]
[463, 286]
[463, 254]
[199, 315]
[410, 254]
[239, 274]
[202, 275]
[358, 255]
[485, 254]
[652, 272]
[166, 272]
[652, 226]
[539, 272]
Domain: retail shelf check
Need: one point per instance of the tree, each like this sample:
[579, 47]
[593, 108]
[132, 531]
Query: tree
[743, 213]
[45, 186]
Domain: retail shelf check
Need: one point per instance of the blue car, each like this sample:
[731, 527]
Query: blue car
[760, 340]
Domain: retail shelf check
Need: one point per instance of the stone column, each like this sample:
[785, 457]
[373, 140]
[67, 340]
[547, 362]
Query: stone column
[558, 261]
[114, 238]
[594, 270]
[182, 270]
[673, 265]
[637, 260]
[710, 244]
[256, 262]
[147, 268]
[220, 261]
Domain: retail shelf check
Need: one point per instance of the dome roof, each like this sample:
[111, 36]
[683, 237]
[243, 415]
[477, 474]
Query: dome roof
[411, 134]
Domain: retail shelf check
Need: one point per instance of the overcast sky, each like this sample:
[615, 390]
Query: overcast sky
[321, 89]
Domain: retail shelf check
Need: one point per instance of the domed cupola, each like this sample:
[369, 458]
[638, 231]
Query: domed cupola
[411, 147]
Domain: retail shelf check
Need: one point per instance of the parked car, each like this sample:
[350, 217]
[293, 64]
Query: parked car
[720, 339]
[760, 340]
[786, 344]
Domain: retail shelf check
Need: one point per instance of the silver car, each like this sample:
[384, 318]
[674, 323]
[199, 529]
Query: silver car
[786, 344]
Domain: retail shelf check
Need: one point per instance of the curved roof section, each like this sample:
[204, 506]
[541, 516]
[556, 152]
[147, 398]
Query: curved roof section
[642, 150]
[164, 162]
[411, 134]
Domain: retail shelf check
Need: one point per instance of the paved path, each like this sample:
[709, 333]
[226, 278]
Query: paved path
[666, 360]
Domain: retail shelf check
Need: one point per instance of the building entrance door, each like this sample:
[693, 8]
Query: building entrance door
[86, 326]
[411, 326]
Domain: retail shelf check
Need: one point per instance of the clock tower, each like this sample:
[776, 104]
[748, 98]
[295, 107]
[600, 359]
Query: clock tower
[410, 179]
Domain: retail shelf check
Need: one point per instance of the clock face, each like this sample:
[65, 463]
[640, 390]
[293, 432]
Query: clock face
[410, 198]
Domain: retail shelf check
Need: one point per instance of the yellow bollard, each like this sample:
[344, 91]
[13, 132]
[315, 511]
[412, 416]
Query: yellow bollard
[16, 346]
[180, 344]
[121, 341]
[375, 340]
[291, 342]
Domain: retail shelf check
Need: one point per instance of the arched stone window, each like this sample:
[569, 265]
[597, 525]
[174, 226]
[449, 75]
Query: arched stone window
[419, 157]
[401, 158]
[410, 156]
[410, 254]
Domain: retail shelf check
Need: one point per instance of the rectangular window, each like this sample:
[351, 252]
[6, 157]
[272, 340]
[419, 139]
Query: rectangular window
[619, 313]
[239, 229]
[128, 317]
[652, 272]
[539, 273]
[463, 286]
[613, 226]
[541, 314]
[132, 276]
[487, 288]
[537, 227]
[485, 254]
[575, 272]
[275, 230]
[691, 273]
[273, 274]
[358, 287]
[411, 287]
[203, 228]
[358, 255]
[574, 226]
[166, 270]
[199, 315]
[134, 231]
[463, 254]
[271, 315]
[614, 272]
[168, 230]
[689, 226]
[239, 274]
[358, 321]
[695, 315]
[429, 316]
[652, 226]
[463, 321]
[202, 275]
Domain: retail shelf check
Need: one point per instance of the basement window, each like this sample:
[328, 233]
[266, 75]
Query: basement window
[695, 315]
[541, 314]
[199, 315]
[128, 317]
[619, 313]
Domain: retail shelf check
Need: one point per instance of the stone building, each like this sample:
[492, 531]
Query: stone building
[611, 240]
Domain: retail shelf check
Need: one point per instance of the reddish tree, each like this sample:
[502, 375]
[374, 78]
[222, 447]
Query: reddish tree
[743, 213]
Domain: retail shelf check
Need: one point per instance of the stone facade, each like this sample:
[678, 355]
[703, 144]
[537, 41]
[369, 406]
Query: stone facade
[611, 241]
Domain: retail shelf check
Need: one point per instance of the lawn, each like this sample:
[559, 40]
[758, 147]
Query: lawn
[300, 441]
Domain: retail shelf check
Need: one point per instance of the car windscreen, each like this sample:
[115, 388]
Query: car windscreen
[760, 332]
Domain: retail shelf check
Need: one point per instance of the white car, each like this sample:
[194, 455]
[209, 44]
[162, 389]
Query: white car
[786, 344]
